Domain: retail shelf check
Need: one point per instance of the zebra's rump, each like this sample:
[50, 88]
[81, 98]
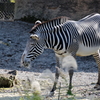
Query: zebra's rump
[89, 31]
[90, 37]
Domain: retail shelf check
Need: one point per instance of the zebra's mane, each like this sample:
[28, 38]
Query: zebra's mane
[56, 21]
[49, 25]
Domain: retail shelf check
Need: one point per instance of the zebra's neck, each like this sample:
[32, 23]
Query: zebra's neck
[50, 25]
[57, 39]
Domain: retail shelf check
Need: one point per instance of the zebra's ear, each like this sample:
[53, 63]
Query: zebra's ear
[34, 36]
[38, 22]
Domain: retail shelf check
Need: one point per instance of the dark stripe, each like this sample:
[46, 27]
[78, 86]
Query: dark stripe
[56, 40]
[60, 45]
[68, 34]
[65, 37]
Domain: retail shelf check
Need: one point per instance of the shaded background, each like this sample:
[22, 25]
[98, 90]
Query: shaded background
[48, 9]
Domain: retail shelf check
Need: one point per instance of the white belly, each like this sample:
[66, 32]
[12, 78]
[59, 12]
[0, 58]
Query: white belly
[86, 51]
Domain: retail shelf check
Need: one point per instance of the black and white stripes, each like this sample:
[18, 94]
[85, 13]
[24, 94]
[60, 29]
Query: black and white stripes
[60, 33]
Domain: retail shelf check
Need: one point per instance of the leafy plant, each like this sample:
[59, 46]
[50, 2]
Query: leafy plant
[34, 96]
[12, 1]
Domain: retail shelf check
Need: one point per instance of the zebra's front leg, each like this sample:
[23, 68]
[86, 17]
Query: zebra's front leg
[55, 82]
[56, 75]
[73, 49]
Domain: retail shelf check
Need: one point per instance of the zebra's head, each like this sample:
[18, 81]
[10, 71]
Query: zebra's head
[34, 47]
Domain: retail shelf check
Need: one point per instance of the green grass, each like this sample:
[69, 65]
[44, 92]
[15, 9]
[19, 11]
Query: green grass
[12, 1]
[34, 96]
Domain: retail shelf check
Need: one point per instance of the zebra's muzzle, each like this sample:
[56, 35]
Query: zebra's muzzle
[25, 62]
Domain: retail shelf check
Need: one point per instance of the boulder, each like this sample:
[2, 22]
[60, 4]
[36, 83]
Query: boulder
[8, 80]
[75, 9]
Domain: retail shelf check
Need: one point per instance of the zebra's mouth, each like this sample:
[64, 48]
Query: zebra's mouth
[25, 62]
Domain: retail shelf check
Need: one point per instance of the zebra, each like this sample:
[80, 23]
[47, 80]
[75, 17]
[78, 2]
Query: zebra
[65, 37]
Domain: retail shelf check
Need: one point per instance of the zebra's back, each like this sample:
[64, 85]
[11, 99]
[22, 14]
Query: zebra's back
[87, 32]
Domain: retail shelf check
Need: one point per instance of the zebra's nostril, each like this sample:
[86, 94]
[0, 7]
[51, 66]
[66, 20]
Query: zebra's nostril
[23, 62]
[28, 62]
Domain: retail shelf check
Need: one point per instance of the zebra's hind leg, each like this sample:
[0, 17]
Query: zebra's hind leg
[97, 58]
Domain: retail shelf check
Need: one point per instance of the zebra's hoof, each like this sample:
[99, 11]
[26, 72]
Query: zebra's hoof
[97, 86]
[50, 95]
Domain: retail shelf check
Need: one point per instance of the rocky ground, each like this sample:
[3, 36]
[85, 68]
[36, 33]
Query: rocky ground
[13, 37]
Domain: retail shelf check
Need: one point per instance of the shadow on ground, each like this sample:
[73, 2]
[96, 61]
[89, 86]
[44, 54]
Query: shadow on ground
[9, 96]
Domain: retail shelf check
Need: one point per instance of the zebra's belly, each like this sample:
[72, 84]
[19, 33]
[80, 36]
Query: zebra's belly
[86, 51]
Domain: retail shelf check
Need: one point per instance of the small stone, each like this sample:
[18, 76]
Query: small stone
[14, 72]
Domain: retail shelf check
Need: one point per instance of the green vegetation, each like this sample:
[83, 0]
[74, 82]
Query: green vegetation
[12, 1]
[34, 96]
